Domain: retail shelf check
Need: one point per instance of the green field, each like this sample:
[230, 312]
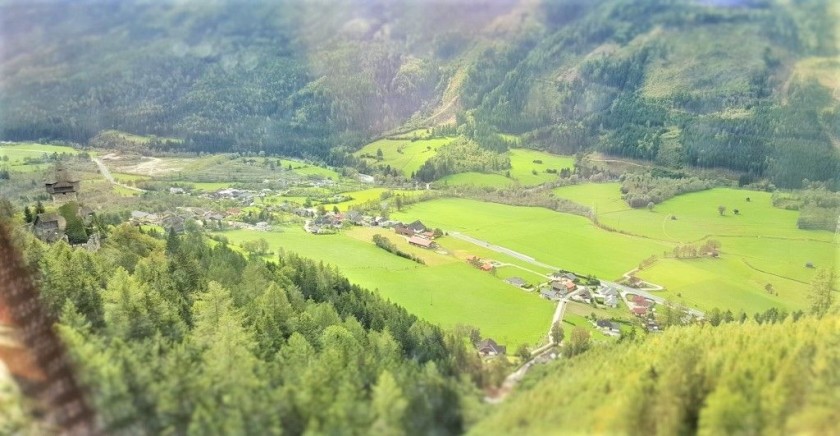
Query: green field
[209, 186]
[603, 198]
[521, 171]
[522, 165]
[404, 155]
[475, 179]
[124, 177]
[18, 152]
[445, 291]
[306, 169]
[761, 245]
[136, 139]
[566, 241]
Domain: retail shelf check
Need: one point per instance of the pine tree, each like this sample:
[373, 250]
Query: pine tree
[27, 215]
[388, 406]
[822, 292]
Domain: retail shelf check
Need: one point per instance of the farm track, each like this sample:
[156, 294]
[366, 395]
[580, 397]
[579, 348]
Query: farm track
[109, 177]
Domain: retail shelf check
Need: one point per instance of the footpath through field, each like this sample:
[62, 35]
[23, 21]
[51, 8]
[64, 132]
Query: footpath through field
[107, 174]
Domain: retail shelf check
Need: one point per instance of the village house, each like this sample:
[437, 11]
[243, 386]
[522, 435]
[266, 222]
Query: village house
[516, 281]
[563, 286]
[583, 296]
[421, 242]
[417, 227]
[563, 275]
[403, 230]
[608, 326]
[639, 301]
[608, 295]
[49, 227]
[550, 294]
[355, 217]
[487, 267]
[489, 348]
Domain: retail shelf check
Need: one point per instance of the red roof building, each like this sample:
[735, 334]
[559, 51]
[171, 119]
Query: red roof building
[420, 242]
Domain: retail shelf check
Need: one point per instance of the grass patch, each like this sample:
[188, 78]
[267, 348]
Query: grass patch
[446, 291]
[204, 186]
[18, 153]
[761, 245]
[405, 155]
[523, 166]
[124, 192]
[566, 241]
[305, 169]
[475, 179]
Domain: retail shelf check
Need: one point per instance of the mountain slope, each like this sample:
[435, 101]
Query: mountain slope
[747, 85]
[732, 379]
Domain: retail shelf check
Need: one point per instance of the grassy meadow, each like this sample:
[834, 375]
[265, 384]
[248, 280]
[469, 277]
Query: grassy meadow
[17, 154]
[475, 179]
[522, 165]
[760, 245]
[403, 154]
[445, 291]
[305, 169]
[566, 241]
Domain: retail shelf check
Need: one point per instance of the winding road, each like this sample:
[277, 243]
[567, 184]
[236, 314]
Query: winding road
[110, 178]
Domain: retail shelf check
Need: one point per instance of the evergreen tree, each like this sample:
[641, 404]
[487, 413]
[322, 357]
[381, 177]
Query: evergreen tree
[822, 292]
[388, 406]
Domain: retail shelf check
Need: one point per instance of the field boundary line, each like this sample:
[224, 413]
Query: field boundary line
[774, 274]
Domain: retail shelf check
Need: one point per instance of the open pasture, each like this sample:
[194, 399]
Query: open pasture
[566, 241]
[17, 157]
[524, 162]
[475, 179]
[760, 245]
[403, 154]
[307, 169]
[445, 291]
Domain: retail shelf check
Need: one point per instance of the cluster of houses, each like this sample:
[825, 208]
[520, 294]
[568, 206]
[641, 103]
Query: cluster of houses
[643, 309]
[562, 283]
[416, 233]
[325, 224]
[177, 220]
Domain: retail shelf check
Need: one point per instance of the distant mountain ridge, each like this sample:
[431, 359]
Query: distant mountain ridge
[746, 85]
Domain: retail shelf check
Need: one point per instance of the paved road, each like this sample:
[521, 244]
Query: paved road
[107, 174]
[525, 258]
[502, 250]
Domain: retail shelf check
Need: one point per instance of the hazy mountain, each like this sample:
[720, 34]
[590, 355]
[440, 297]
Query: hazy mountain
[748, 85]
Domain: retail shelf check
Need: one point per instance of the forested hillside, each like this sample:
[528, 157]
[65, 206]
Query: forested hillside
[731, 379]
[177, 337]
[748, 85]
